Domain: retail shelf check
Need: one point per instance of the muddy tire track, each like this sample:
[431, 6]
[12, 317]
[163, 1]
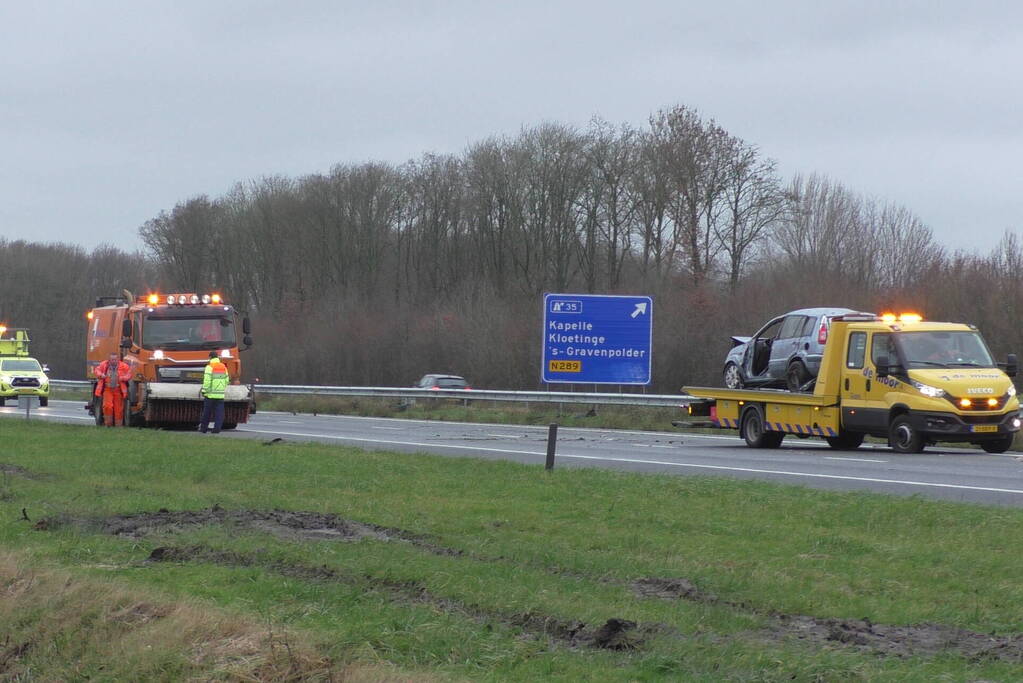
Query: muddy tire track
[19, 471]
[613, 634]
[857, 634]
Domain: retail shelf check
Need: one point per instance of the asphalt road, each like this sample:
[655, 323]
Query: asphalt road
[942, 473]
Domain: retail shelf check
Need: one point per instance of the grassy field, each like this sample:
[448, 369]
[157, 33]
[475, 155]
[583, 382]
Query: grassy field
[144, 554]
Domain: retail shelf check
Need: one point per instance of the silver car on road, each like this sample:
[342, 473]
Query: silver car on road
[786, 352]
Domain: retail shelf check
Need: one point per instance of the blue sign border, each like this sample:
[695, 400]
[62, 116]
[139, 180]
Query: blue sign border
[563, 378]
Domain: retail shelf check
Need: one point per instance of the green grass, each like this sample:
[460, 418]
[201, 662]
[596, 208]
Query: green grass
[498, 541]
[453, 410]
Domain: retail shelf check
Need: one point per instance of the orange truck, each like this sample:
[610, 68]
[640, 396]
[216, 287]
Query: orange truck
[166, 339]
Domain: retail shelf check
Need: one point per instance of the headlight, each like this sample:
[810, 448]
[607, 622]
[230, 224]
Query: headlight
[927, 390]
[158, 354]
[1012, 390]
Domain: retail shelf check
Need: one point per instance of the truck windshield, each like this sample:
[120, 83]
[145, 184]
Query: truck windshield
[21, 365]
[212, 332]
[944, 350]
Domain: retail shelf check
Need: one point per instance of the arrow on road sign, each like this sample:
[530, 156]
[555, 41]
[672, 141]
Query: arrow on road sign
[640, 308]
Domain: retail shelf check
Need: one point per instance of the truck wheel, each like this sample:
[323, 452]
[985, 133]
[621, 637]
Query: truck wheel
[903, 437]
[44, 401]
[3, 401]
[796, 376]
[998, 445]
[229, 425]
[845, 441]
[754, 433]
[97, 410]
[732, 376]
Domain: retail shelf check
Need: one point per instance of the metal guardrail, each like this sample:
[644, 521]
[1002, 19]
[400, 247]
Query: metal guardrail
[667, 400]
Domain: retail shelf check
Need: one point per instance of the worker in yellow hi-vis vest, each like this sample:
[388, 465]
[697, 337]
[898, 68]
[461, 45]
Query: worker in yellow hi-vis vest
[214, 383]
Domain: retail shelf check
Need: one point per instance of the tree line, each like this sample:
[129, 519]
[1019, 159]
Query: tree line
[374, 274]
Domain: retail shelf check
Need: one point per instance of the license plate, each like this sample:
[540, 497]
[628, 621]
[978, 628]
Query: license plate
[192, 375]
[566, 366]
[985, 428]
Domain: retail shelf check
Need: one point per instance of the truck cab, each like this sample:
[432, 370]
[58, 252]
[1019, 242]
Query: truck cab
[167, 339]
[903, 379]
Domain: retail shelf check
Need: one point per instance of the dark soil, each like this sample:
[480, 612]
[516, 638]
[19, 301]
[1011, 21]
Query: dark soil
[614, 634]
[18, 471]
[294, 526]
[671, 589]
[900, 641]
[859, 634]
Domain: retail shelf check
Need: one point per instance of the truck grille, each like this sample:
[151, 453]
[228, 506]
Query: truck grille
[24, 382]
[181, 374]
[981, 419]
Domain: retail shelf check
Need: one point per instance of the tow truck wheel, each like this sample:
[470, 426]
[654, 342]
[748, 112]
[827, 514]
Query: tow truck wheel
[97, 410]
[796, 376]
[845, 441]
[732, 376]
[998, 445]
[44, 401]
[752, 430]
[904, 437]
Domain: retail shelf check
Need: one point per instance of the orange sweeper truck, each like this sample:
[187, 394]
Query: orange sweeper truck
[166, 340]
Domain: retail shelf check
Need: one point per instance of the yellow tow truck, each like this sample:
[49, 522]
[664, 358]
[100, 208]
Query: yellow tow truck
[903, 379]
[20, 374]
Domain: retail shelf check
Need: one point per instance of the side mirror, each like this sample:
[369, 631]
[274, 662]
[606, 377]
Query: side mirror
[1011, 365]
[882, 367]
[247, 340]
[46, 368]
[246, 326]
[126, 327]
[126, 343]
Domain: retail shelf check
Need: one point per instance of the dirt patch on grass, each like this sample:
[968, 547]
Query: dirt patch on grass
[859, 634]
[284, 524]
[18, 471]
[671, 589]
[613, 634]
[900, 641]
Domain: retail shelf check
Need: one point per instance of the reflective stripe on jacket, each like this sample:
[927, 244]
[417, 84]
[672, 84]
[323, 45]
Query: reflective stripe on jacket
[215, 379]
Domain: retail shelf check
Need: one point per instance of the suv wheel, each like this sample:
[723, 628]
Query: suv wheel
[796, 376]
[732, 376]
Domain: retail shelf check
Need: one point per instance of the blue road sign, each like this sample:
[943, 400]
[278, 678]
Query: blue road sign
[597, 339]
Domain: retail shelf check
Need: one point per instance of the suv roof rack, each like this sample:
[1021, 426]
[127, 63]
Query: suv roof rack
[859, 316]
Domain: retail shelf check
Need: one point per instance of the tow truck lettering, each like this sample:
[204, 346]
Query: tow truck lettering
[888, 381]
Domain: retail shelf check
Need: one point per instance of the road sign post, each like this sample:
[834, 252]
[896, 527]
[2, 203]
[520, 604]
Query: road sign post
[597, 339]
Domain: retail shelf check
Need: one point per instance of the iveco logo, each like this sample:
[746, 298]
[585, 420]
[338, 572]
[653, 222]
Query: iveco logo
[982, 390]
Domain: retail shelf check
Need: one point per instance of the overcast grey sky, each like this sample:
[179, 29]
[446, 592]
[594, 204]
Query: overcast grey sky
[112, 112]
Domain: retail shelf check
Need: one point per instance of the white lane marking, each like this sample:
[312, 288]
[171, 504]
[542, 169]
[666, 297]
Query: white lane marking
[506, 436]
[58, 417]
[647, 462]
[290, 422]
[832, 457]
[659, 446]
[393, 429]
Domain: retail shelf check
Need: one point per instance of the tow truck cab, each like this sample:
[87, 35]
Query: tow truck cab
[910, 381]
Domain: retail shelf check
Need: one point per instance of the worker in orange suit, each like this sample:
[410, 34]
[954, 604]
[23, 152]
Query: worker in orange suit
[112, 386]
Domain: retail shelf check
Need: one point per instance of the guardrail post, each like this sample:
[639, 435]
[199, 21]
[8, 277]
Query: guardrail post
[552, 445]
